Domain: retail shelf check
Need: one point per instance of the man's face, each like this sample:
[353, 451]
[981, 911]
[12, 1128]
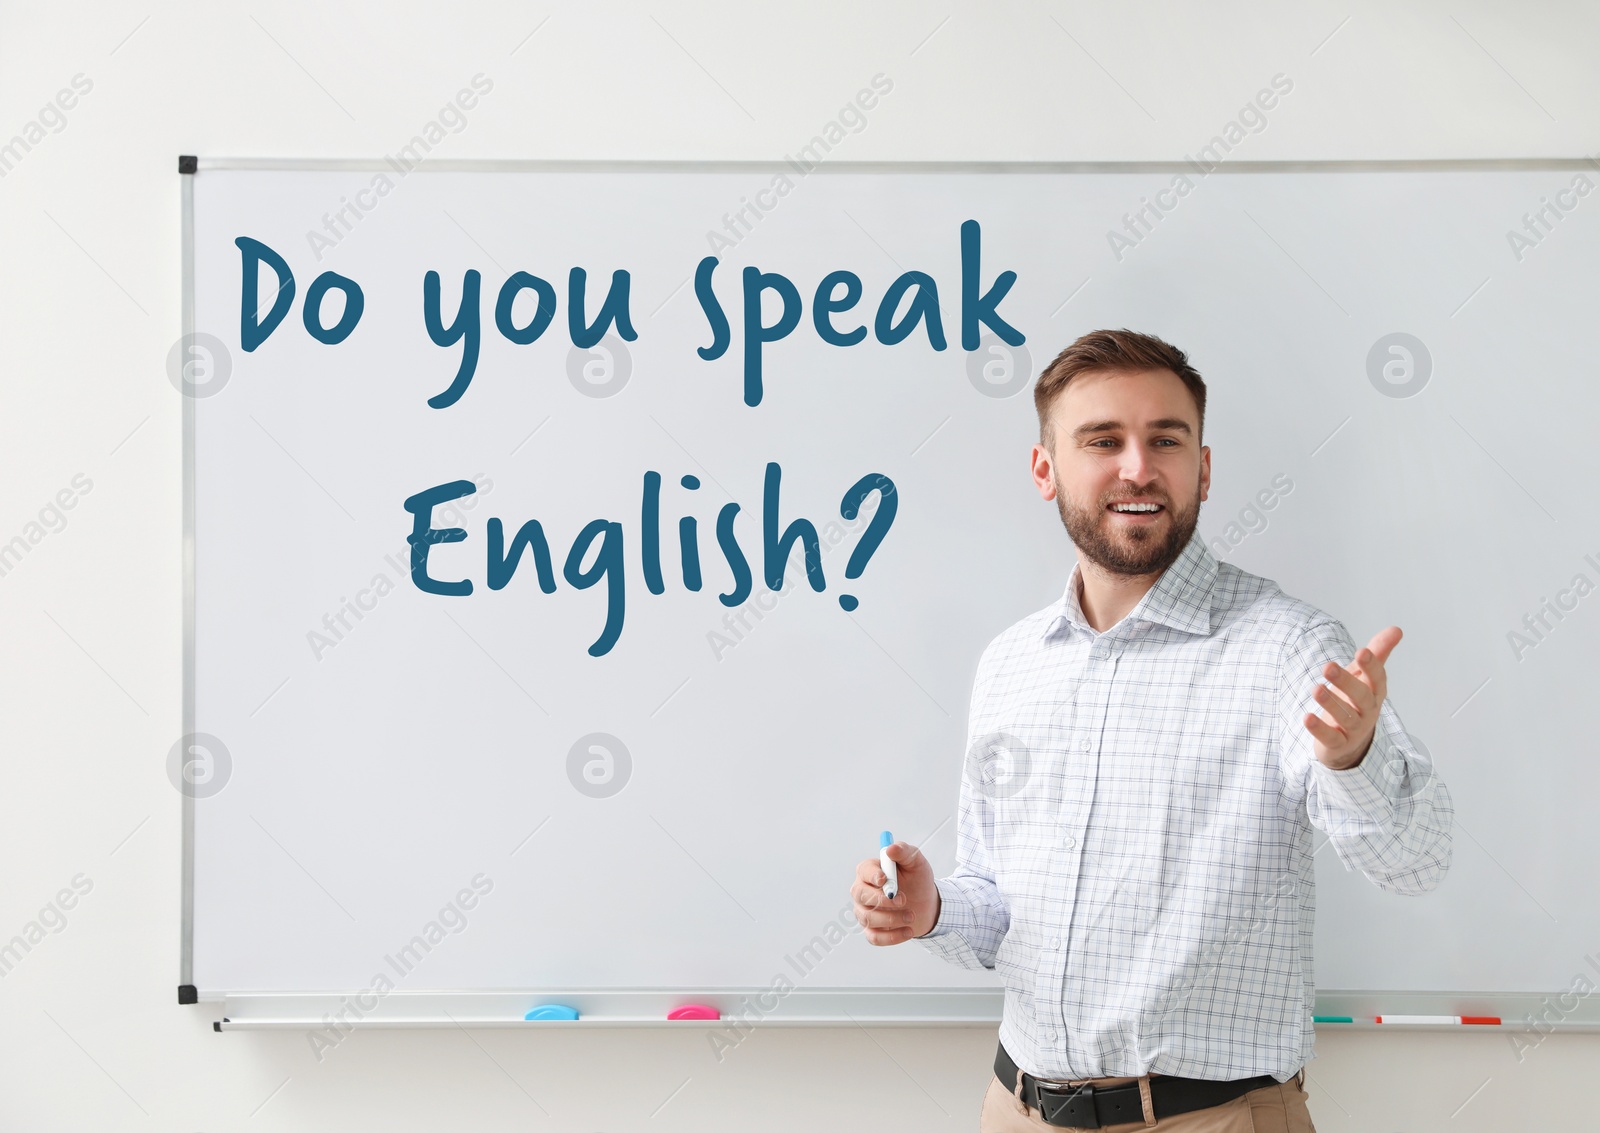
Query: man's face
[1126, 440]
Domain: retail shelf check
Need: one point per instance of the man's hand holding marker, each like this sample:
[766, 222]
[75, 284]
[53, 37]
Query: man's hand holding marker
[894, 894]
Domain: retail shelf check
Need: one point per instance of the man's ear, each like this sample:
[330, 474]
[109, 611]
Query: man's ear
[1041, 468]
[1205, 471]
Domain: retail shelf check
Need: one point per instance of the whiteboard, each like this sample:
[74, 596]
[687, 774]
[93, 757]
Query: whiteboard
[682, 813]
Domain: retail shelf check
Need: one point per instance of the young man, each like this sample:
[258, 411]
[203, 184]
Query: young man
[1147, 760]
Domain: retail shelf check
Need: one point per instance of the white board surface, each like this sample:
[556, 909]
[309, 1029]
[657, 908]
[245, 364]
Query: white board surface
[374, 771]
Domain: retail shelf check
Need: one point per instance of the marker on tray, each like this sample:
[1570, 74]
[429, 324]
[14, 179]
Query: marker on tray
[1445, 1020]
[694, 1011]
[551, 1011]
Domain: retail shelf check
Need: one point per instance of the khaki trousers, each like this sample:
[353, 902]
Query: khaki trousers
[1271, 1109]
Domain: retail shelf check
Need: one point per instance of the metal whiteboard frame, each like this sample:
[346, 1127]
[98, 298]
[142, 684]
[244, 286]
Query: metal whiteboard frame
[645, 1007]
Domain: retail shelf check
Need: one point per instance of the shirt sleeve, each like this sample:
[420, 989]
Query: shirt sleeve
[1390, 815]
[973, 916]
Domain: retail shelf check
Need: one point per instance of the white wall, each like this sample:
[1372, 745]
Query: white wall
[90, 653]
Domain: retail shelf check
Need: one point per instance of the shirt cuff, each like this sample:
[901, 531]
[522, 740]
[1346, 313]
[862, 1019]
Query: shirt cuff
[1361, 798]
[949, 937]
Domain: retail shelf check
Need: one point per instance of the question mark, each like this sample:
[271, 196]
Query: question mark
[882, 520]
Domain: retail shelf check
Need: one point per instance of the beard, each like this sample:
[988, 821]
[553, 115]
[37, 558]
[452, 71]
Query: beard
[1134, 550]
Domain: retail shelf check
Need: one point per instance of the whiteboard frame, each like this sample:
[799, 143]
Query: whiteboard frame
[803, 1007]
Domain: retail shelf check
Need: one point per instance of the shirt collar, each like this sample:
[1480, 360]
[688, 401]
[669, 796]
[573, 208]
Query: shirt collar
[1181, 597]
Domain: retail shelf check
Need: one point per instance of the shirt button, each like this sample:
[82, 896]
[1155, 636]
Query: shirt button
[1085, 744]
[1055, 942]
[1050, 1036]
[1069, 841]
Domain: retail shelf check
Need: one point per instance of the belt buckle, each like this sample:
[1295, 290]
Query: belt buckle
[1074, 1102]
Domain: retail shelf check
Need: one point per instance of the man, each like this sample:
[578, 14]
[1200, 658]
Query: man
[1147, 759]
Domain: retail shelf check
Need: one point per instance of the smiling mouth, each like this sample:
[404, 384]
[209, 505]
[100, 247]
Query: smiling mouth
[1138, 512]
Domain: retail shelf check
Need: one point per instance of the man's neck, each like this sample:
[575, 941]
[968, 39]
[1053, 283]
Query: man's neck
[1106, 597]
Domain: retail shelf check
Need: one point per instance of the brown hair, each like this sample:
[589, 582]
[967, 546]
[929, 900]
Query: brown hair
[1117, 351]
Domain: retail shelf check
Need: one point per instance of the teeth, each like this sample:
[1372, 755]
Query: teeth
[1136, 507]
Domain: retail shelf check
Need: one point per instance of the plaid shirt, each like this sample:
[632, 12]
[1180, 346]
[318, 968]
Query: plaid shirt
[1134, 842]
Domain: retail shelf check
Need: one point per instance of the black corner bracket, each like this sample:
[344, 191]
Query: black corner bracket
[187, 993]
[188, 163]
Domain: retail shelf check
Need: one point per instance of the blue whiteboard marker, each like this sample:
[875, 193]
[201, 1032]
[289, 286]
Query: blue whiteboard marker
[891, 886]
[552, 1011]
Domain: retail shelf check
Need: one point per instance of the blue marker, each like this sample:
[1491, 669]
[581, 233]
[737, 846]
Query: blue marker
[552, 1011]
[891, 873]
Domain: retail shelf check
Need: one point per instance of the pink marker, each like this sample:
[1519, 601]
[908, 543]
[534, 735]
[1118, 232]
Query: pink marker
[694, 1011]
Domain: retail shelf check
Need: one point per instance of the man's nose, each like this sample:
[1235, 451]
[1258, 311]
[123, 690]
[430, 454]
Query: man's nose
[1134, 465]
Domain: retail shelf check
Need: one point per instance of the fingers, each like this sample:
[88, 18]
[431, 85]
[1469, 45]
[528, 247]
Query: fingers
[884, 921]
[905, 855]
[1357, 693]
[880, 936]
[870, 896]
[1323, 732]
[1383, 643]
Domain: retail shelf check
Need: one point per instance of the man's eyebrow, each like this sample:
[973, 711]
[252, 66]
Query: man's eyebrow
[1175, 424]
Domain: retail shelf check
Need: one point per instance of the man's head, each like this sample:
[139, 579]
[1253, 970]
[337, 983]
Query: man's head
[1121, 418]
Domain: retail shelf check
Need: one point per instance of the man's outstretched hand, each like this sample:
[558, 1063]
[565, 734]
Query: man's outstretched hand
[915, 908]
[1343, 730]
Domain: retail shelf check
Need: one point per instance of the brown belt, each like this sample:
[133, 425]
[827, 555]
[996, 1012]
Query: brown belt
[1091, 1107]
